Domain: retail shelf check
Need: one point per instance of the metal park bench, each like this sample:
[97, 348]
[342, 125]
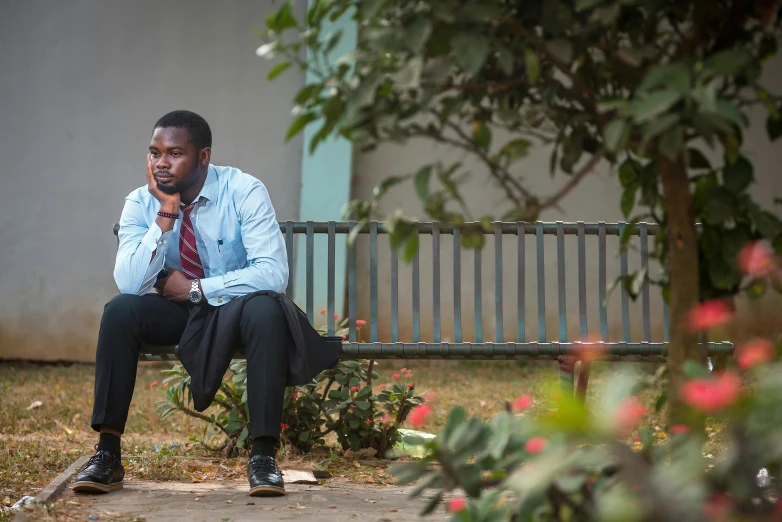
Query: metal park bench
[562, 349]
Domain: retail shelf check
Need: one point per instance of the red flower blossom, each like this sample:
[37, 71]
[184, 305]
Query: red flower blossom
[755, 351]
[387, 419]
[354, 388]
[419, 414]
[678, 429]
[352, 406]
[368, 421]
[535, 445]
[336, 316]
[154, 383]
[322, 311]
[711, 395]
[409, 375]
[284, 426]
[456, 504]
[717, 506]
[403, 370]
[381, 387]
[360, 322]
[628, 414]
[522, 403]
[397, 376]
[756, 259]
[410, 384]
[710, 314]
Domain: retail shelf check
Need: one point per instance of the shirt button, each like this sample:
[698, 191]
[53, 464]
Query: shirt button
[219, 299]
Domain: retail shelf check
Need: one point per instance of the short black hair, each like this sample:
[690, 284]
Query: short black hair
[196, 126]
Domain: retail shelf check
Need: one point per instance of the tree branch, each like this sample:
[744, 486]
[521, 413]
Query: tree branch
[554, 199]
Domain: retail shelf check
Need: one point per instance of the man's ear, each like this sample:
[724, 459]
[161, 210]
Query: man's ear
[204, 156]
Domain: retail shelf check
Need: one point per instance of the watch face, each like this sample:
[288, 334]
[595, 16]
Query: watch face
[195, 296]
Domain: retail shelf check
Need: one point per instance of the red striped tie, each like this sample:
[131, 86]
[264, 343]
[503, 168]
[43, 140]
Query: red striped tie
[188, 253]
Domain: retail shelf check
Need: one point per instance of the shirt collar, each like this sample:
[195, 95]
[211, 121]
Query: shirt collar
[209, 190]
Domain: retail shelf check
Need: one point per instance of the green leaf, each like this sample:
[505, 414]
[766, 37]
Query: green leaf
[391, 181]
[583, 5]
[561, 49]
[628, 174]
[695, 370]
[532, 65]
[299, 123]
[307, 92]
[471, 51]
[671, 143]
[278, 69]
[628, 200]
[417, 34]
[653, 105]
[696, 160]
[616, 134]
[422, 183]
[719, 208]
[672, 76]
[362, 405]
[731, 112]
[517, 148]
[481, 134]
[661, 401]
[728, 62]
[282, 19]
[304, 436]
[738, 176]
[774, 127]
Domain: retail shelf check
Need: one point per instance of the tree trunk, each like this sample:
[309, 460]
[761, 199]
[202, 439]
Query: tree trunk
[683, 277]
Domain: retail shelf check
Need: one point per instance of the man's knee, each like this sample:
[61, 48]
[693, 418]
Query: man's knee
[121, 308]
[262, 308]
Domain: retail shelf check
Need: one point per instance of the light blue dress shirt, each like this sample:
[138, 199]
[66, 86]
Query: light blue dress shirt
[238, 239]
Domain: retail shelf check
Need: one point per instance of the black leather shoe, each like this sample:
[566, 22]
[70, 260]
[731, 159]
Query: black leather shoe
[102, 473]
[265, 477]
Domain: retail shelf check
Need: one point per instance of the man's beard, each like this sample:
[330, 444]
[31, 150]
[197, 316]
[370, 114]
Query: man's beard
[180, 187]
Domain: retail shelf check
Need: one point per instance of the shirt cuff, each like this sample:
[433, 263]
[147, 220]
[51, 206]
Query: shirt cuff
[156, 239]
[214, 288]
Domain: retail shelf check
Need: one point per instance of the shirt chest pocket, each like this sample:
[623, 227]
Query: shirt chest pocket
[225, 242]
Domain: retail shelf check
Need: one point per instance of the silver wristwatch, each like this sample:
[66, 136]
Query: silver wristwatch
[195, 294]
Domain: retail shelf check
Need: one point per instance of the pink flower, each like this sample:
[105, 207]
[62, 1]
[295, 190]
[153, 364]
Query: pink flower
[154, 383]
[628, 414]
[717, 506]
[381, 387]
[756, 259]
[387, 419]
[535, 445]
[368, 421]
[755, 351]
[336, 316]
[710, 314]
[403, 370]
[711, 395]
[353, 388]
[430, 396]
[361, 322]
[284, 426]
[322, 311]
[352, 406]
[522, 403]
[396, 376]
[419, 414]
[409, 375]
[410, 384]
[456, 504]
[679, 429]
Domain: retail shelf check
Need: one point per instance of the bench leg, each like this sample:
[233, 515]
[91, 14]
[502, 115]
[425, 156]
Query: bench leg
[567, 366]
[583, 380]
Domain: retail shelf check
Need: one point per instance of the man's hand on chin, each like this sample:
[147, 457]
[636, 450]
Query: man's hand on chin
[175, 286]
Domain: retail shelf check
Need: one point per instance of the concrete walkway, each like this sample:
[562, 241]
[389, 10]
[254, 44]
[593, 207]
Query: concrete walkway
[335, 500]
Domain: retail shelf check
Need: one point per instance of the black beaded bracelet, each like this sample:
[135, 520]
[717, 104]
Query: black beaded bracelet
[167, 215]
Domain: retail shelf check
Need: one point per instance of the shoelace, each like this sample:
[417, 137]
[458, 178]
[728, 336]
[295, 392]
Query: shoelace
[104, 458]
[265, 464]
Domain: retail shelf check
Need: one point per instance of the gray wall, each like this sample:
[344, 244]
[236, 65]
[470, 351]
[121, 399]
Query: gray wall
[82, 83]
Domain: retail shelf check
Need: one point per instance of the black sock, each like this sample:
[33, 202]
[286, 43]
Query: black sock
[110, 443]
[266, 446]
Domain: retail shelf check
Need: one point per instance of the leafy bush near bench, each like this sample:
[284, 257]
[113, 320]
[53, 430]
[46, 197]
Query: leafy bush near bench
[343, 400]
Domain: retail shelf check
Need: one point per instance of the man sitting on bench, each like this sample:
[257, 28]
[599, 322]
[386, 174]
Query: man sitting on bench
[207, 238]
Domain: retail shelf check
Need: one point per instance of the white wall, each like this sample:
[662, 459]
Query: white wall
[81, 84]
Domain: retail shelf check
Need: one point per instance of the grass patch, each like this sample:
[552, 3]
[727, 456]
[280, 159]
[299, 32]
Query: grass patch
[37, 442]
